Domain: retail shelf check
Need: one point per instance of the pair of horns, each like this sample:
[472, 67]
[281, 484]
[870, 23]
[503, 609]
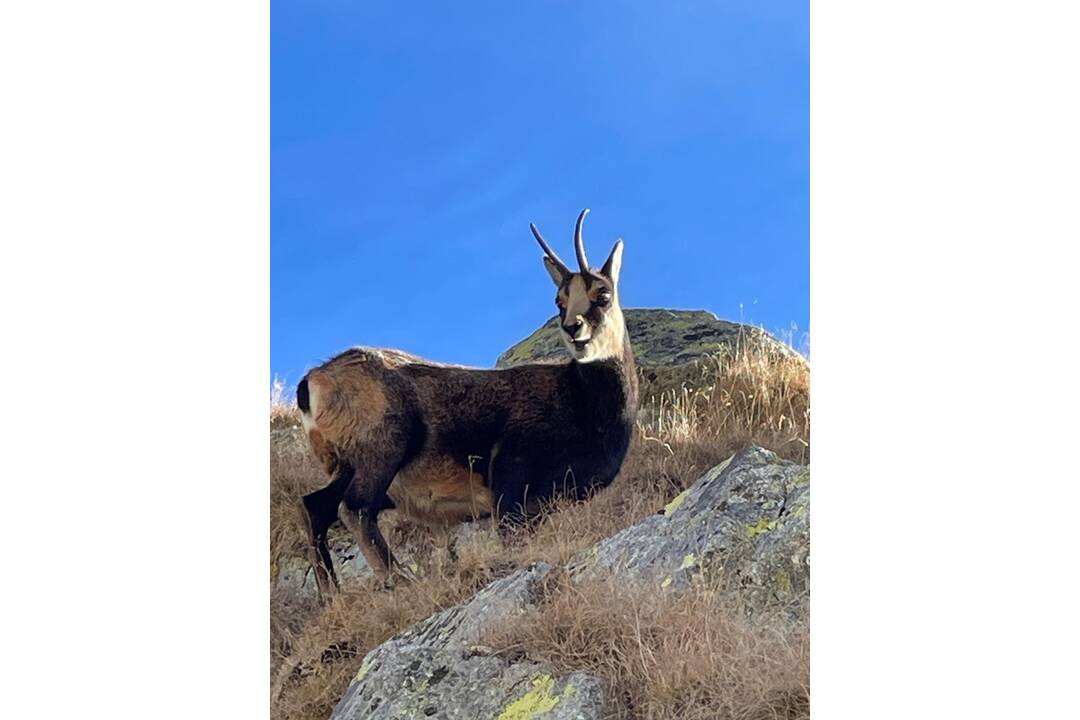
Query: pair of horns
[579, 247]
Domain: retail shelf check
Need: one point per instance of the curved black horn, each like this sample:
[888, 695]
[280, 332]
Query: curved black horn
[579, 245]
[549, 252]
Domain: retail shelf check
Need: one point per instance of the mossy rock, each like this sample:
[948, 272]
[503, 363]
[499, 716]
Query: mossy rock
[671, 347]
[434, 669]
[744, 526]
[745, 522]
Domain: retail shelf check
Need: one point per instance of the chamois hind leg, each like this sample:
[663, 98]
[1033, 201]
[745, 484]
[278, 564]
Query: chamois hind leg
[364, 527]
[359, 512]
[325, 579]
[318, 512]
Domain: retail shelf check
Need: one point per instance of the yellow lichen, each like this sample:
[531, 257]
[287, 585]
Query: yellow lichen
[687, 561]
[536, 702]
[362, 671]
[723, 466]
[667, 583]
[782, 581]
[761, 526]
[674, 504]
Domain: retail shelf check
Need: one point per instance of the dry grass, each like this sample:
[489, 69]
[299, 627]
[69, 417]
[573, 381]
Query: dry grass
[692, 656]
[753, 395]
[757, 393]
[283, 410]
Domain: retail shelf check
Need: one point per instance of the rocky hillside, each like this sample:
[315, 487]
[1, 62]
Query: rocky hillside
[743, 527]
[669, 345]
[679, 591]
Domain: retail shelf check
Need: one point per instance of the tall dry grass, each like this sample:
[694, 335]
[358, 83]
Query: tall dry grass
[692, 656]
[283, 410]
[753, 394]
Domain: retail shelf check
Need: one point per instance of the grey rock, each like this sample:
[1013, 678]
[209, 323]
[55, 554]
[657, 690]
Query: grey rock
[672, 348]
[746, 521]
[660, 338]
[435, 670]
[349, 564]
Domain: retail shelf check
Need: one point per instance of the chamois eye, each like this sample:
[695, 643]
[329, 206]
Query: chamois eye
[603, 298]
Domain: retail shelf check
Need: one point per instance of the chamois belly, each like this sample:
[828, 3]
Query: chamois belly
[440, 491]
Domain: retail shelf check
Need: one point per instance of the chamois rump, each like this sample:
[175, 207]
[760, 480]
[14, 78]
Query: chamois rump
[446, 443]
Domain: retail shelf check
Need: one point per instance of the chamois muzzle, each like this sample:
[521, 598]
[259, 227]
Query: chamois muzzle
[573, 328]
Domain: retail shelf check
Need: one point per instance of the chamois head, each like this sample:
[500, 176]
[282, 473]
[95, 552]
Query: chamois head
[590, 318]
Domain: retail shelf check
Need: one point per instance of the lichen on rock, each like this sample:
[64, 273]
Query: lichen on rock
[745, 523]
[429, 670]
[544, 697]
[668, 345]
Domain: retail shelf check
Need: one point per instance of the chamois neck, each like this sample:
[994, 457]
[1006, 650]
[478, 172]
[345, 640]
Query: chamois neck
[599, 375]
[628, 369]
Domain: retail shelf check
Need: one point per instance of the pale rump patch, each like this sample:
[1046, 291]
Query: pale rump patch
[439, 491]
[307, 419]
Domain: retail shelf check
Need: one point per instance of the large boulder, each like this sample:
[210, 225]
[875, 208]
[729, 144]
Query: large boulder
[660, 338]
[746, 523]
[432, 670]
[669, 345]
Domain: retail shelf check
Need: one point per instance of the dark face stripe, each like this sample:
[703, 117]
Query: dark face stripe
[594, 285]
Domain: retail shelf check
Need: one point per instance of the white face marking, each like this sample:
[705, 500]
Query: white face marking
[608, 341]
[600, 342]
[577, 305]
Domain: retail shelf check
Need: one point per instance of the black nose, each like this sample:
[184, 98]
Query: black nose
[572, 328]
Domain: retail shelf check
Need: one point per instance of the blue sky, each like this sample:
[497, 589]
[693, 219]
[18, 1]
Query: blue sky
[412, 144]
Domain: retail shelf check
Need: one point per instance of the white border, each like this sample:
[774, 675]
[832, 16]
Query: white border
[944, 190]
[134, 187]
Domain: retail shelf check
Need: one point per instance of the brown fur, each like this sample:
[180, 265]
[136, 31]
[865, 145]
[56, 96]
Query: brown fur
[347, 403]
[440, 491]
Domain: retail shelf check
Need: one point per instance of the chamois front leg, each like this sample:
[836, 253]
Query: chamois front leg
[510, 485]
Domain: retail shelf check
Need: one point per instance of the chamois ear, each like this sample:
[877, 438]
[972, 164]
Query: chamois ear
[614, 263]
[554, 271]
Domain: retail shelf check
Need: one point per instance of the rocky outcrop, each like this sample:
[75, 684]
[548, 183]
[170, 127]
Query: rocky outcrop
[660, 338]
[668, 345]
[746, 522]
[349, 564]
[432, 670]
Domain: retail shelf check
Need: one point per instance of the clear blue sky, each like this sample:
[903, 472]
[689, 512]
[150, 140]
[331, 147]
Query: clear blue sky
[412, 144]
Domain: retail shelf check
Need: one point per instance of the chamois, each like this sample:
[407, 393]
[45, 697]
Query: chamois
[446, 443]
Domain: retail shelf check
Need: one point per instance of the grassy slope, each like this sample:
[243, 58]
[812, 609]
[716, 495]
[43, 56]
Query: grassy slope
[688, 656]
